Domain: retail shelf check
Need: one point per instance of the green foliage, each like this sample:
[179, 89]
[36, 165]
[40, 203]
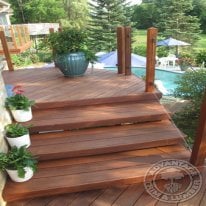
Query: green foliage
[187, 121]
[191, 86]
[68, 41]
[18, 159]
[77, 14]
[35, 11]
[15, 130]
[18, 102]
[162, 51]
[201, 57]
[25, 58]
[140, 50]
[173, 20]
[106, 15]
[199, 8]
[186, 60]
[144, 15]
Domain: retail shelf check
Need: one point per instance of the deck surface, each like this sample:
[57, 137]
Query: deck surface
[49, 84]
[86, 173]
[132, 195]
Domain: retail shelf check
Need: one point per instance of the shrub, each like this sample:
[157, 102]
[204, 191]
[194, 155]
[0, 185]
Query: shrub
[162, 51]
[191, 86]
[201, 57]
[140, 50]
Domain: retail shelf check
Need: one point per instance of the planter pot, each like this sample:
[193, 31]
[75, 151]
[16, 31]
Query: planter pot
[19, 141]
[72, 65]
[22, 115]
[13, 174]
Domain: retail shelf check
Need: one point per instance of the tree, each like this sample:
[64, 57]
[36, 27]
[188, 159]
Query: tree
[106, 15]
[174, 20]
[199, 8]
[144, 15]
[35, 11]
[77, 13]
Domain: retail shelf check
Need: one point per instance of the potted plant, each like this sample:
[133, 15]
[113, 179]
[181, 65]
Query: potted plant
[185, 61]
[71, 53]
[19, 164]
[17, 135]
[19, 105]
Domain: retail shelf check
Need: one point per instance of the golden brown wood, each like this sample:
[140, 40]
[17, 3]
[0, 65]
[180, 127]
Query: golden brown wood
[199, 148]
[13, 37]
[6, 51]
[128, 70]
[18, 29]
[121, 50]
[151, 54]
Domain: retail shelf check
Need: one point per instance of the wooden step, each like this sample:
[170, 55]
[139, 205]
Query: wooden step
[94, 116]
[104, 140]
[144, 96]
[93, 172]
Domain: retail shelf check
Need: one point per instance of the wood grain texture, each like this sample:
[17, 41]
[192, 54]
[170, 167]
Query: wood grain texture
[80, 177]
[104, 140]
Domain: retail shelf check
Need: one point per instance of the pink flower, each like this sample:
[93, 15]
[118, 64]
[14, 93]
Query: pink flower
[18, 89]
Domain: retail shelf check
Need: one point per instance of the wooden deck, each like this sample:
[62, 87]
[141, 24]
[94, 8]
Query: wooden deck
[48, 85]
[106, 131]
[132, 195]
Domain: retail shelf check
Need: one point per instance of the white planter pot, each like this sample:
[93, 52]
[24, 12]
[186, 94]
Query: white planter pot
[19, 141]
[13, 174]
[22, 115]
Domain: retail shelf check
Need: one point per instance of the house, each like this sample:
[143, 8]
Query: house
[5, 13]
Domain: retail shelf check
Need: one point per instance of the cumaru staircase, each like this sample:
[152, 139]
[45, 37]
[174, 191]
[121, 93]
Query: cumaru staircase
[97, 145]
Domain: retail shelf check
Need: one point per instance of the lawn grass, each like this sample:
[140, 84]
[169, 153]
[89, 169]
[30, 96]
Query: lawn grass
[140, 39]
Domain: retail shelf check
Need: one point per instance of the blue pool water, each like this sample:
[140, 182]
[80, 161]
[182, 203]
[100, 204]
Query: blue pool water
[167, 78]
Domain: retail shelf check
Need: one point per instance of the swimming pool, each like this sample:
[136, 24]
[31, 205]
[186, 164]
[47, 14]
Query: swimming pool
[167, 78]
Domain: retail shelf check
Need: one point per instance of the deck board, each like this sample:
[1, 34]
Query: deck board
[80, 177]
[48, 84]
[104, 140]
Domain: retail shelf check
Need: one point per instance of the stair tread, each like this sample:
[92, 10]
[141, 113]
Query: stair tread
[79, 174]
[96, 115]
[104, 140]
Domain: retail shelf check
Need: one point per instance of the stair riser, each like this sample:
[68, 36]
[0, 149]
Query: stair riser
[108, 122]
[106, 150]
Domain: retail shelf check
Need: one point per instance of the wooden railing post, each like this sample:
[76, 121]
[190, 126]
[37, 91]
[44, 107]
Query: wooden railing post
[199, 148]
[151, 54]
[121, 50]
[6, 51]
[128, 50]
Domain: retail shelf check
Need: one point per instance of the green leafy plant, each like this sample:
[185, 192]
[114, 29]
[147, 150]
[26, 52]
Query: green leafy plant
[18, 159]
[185, 61]
[18, 101]
[201, 57]
[70, 40]
[16, 130]
[191, 86]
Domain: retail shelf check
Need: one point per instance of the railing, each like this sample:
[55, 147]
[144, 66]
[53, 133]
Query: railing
[15, 39]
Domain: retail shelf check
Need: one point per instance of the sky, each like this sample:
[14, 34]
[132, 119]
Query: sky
[133, 2]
